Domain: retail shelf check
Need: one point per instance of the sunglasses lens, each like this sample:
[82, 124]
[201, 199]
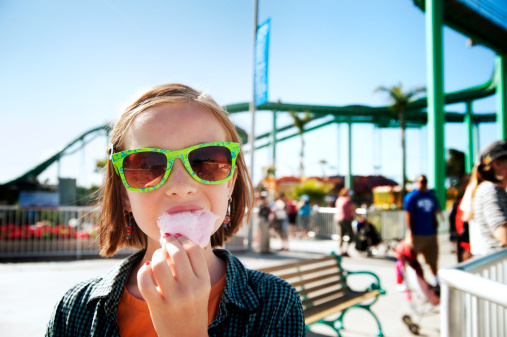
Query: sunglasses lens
[211, 163]
[144, 169]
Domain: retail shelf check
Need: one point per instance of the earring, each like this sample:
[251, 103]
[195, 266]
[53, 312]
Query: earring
[227, 217]
[129, 225]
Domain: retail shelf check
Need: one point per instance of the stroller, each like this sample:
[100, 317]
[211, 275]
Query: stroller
[367, 237]
[410, 277]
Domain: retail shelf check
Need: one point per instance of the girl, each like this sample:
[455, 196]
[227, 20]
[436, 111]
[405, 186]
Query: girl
[174, 150]
[488, 221]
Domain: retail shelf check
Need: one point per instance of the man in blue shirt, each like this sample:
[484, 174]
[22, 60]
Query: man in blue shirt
[421, 209]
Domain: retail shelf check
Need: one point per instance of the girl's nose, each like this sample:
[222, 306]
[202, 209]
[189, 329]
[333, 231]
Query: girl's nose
[179, 182]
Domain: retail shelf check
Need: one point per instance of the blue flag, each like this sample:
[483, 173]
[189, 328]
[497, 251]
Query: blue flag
[261, 64]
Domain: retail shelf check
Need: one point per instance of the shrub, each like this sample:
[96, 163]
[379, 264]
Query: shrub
[316, 190]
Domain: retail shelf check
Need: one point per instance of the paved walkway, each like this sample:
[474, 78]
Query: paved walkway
[29, 290]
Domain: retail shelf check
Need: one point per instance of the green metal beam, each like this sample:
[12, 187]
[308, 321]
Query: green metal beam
[463, 18]
[349, 179]
[419, 118]
[501, 95]
[470, 135]
[31, 175]
[435, 86]
[295, 134]
[381, 118]
[483, 90]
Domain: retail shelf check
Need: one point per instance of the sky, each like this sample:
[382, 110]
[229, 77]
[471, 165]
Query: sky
[69, 66]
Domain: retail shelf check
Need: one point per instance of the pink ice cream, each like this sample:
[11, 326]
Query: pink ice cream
[195, 225]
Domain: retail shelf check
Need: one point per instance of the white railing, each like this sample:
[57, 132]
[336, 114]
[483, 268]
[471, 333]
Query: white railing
[65, 231]
[49, 232]
[322, 222]
[73, 231]
[474, 297]
[390, 224]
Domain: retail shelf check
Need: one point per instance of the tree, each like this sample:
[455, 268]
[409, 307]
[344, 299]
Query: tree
[316, 190]
[299, 123]
[400, 102]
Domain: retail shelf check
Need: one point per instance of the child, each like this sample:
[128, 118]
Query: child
[179, 289]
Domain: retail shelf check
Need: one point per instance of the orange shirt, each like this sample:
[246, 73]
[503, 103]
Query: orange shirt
[134, 316]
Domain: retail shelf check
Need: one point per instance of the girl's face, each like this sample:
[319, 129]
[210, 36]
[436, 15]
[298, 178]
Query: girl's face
[500, 166]
[175, 126]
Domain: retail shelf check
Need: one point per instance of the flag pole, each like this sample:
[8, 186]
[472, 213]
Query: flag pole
[251, 136]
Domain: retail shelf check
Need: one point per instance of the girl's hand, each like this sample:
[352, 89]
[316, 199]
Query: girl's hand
[176, 286]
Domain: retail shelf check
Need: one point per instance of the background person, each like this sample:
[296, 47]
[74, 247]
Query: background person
[281, 221]
[292, 214]
[304, 210]
[488, 221]
[421, 210]
[344, 215]
[264, 225]
[463, 215]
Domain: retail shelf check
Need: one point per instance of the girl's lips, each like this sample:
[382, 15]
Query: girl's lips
[183, 208]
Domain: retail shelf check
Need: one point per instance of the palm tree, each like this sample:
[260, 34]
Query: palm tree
[400, 102]
[299, 123]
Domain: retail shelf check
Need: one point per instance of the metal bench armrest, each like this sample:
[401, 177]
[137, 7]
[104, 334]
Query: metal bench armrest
[374, 285]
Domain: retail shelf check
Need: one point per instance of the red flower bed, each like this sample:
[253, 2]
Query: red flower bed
[41, 231]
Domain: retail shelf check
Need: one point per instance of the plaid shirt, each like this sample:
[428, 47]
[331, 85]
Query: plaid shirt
[252, 304]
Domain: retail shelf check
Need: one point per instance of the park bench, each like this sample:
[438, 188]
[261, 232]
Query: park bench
[322, 285]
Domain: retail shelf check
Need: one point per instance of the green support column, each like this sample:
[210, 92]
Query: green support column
[476, 138]
[435, 86]
[470, 133]
[501, 96]
[349, 181]
[274, 140]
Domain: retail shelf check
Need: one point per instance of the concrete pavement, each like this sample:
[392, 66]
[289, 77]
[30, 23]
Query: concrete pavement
[29, 290]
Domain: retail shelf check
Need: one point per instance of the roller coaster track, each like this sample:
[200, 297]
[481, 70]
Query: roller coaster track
[415, 116]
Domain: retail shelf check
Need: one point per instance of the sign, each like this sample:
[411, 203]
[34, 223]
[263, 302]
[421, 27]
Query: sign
[261, 64]
[38, 199]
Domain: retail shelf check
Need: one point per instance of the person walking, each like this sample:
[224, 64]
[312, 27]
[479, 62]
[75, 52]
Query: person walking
[304, 210]
[264, 212]
[282, 220]
[344, 216]
[421, 210]
[292, 214]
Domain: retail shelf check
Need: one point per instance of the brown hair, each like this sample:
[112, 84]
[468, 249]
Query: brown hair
[343, 192]
[114, 218]
[487, 171]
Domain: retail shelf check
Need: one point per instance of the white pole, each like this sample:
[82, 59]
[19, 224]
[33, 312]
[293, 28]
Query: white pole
[251, 136]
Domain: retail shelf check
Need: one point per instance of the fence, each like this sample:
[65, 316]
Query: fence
[390, 224]
[73, 231]
[63, 232]
[473, 299]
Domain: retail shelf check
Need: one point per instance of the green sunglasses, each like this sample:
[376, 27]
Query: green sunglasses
[143, 170]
